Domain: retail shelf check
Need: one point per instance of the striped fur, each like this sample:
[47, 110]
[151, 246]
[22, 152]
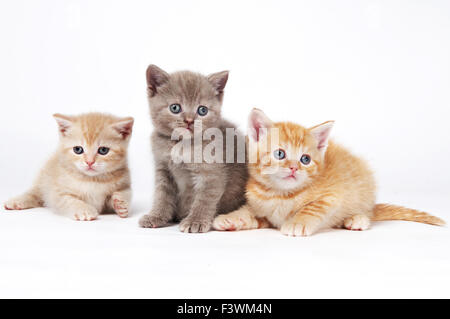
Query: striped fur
[337, 189]
[393, 212]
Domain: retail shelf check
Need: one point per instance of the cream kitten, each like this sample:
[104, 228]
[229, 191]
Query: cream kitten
[88, 174]
[303, 183]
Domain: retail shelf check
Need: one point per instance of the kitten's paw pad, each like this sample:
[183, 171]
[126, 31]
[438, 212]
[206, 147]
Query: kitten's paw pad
[151, 221]
[85, 215]
[192, 226]
[357, 222]
[120, 207]
[297, 229]
[230, 223]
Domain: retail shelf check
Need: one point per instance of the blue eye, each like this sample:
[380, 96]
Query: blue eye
[279, 154]
[305, 159]
[175, 108]
[103, 150]
[78, 150]
[202, 110]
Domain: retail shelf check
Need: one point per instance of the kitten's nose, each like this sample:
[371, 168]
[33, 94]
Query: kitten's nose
[188, 121]
[90, 163]
[293, 168]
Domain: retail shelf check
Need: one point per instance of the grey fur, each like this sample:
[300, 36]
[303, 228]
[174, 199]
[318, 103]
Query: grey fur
[193, 193]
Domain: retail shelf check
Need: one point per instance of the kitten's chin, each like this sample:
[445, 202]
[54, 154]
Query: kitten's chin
[288, 184]
[187, 133]
[90, 172]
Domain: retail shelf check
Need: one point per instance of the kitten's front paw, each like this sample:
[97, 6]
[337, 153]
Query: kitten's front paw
[189, 225]
[14, 204]
[120, 205]
[299, 227]
[151, 221]
[86, 215]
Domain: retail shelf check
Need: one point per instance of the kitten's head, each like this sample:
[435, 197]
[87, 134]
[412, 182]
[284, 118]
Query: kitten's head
[93, 143]
[178, 99]
[289, 156]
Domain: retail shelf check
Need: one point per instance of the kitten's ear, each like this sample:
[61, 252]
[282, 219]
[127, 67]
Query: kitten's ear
[218, 81]
[155, 78]
[64, 123]
[257, 122]
[124, 127]
[321, 133]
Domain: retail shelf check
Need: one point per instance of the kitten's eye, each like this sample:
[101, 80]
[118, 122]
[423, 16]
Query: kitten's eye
[78, 150]
[175, 108]
[202, 110]
[103, 150]
[305, 159]
[279, 154]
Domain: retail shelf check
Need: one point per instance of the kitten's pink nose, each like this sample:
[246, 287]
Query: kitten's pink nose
[293, 169]
[90, 163]
[188, 121]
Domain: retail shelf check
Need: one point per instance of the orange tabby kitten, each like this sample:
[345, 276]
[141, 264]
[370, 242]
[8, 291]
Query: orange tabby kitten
[88, 173]
[306, 183]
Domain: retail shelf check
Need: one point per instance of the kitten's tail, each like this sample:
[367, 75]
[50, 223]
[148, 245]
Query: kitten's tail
[393, 212]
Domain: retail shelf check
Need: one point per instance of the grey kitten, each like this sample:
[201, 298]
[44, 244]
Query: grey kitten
[193, 193]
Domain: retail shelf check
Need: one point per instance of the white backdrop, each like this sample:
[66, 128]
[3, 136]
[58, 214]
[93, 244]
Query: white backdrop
[381, 69]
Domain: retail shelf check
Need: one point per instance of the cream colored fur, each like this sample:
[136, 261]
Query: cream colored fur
[71, 187]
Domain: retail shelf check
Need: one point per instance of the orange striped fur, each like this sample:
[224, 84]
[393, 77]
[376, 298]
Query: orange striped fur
[335, 189]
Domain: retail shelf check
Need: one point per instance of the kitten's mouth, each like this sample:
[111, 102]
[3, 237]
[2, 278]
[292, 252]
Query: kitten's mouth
[90, 170]
[292, 176]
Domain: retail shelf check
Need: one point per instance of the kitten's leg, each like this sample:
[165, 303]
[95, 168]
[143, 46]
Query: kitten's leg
[120, 202]
[30, 199]
[209, 188]
[74, 207]
[309, 219]
[357, 222]
[240, 219]
[164, 201]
